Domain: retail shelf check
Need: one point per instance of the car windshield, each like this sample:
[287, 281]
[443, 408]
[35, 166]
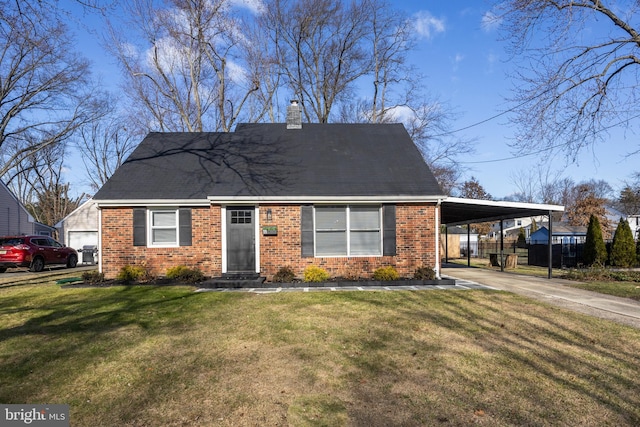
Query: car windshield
[13, 241]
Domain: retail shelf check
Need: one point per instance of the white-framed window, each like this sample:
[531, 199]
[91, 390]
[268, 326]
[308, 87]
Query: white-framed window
[163, 227]
[353, 230]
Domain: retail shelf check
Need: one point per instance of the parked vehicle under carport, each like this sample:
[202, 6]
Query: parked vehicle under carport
[34, 252]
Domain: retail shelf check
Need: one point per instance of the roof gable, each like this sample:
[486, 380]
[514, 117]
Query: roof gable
[269, 160]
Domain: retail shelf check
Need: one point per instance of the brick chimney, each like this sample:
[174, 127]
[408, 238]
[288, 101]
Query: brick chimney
[294, 115]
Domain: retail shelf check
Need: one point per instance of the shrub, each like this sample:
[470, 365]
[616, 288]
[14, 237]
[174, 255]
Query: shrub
[131, 273]
[386, 273]
[315, 274]
[93, 277]
[425, 273]
[603, 275]
[185, 274]
[595, 251]
[350, 273]
[623, 248]
[284, 275]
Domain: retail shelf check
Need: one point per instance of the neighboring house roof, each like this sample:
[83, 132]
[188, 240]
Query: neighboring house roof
[85, 215]
[271, 161]
[14, 217]
[559, 230]
[460, 230]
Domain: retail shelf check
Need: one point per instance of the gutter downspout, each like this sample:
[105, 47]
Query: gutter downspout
[100, 241]
[437, 242]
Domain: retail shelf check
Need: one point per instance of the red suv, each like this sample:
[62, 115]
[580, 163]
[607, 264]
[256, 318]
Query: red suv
[34, 252]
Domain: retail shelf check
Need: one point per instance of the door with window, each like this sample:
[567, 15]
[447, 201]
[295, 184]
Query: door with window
[241, 248]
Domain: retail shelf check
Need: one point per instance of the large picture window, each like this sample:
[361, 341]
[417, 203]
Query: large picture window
[348, 230]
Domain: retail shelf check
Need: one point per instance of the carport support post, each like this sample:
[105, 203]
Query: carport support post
[446, 244]
[468, 245]
[501, 245]
[550, 247]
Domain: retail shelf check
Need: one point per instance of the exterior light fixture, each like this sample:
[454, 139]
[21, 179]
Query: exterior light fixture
[269, 215]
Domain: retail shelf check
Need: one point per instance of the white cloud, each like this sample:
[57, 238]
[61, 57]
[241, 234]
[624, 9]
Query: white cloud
[490, 21]
[456, 60]
[236, 72]
[254, 6]
[402, 114]
[169, 55]
[492, 58]
[130, 51]
[427, 25]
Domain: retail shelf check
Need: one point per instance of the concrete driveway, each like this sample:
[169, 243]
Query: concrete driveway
[552, 291]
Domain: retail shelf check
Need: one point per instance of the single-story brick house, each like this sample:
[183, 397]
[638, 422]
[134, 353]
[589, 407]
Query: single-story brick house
[346, 197]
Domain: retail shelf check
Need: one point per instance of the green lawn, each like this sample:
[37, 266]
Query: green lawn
[152, 356]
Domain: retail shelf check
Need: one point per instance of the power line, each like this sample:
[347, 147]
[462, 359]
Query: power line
[514, 157]
[476, 124]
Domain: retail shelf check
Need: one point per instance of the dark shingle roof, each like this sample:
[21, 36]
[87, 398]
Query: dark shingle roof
[270, 160]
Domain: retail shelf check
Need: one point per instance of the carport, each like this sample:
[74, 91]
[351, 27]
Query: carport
[457, 211]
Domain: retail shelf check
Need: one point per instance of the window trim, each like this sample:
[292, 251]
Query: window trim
[349, 230]
[151, 228]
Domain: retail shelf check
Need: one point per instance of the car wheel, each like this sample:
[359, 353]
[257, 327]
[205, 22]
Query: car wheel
[72, 261]
[37, 264]
[3, 269]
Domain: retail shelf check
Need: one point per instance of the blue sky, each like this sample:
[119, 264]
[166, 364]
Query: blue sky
[466, 66]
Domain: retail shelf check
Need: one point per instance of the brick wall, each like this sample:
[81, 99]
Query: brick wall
[415, 243]
[118, 249]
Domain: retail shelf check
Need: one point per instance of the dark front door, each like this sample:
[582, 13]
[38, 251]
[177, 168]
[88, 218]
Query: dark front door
[241, 250]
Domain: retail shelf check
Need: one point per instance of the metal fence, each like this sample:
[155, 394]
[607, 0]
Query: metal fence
[563, 255]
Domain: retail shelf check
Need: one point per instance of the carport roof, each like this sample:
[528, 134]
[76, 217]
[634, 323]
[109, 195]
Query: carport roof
[455, 211]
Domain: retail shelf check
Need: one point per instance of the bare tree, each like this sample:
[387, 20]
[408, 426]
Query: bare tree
[628, 201]
[41, 188]
[105, 144]
[447, 176]
[542, 185]
[397, 94]
[578, 64]
[44, 85]
[189, 68]
[472, 189]
[391, 38]
[320, 50]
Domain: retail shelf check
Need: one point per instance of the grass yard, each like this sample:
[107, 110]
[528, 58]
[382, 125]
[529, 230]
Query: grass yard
[166, 356]
[619, 289]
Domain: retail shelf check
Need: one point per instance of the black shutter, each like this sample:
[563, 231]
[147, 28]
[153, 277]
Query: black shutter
[306, 230]
[184, 221]
[140, 227]
[389, 230]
